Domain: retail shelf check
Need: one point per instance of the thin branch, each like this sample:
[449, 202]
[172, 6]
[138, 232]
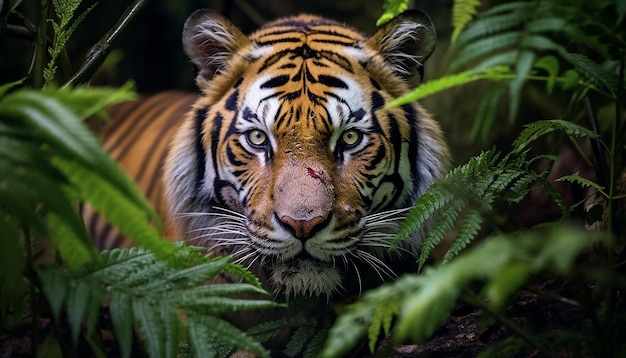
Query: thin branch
[101, 50]
[41, 48]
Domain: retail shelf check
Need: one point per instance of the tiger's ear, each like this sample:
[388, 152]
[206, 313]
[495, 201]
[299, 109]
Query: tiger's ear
[210, 40]
[405, 43]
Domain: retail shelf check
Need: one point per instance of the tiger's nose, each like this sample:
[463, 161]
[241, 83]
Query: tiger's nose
[303, 229]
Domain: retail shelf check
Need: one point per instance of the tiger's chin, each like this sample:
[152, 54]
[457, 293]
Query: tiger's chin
[306, 277]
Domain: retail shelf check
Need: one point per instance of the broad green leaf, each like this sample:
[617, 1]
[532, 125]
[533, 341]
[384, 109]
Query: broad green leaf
[120, 210]
[73, 242]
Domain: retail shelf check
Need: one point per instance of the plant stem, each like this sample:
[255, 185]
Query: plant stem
[34, 302]
[101, 50]
[602, 171]
[41, 47]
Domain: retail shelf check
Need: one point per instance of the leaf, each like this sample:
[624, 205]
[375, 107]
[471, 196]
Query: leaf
[213, 329]
[434, 86]
[146, 316]
[486, 113]
[122, 319]
[534, 130]
[120, 210]
[577, 179]
[55, 286]
[462, 13]
[77, 298]
[71, 239]
[551, 65]
[392, 9]
[522, 69]
[467, 232]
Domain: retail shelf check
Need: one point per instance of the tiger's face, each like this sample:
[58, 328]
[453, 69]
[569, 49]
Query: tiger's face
[289, 162]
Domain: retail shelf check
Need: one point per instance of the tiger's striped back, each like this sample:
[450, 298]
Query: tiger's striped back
[137, 139]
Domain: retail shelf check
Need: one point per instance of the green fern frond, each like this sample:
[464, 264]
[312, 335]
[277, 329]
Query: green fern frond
[536, 129]
[381, 322]
[211, 334]
[63, 30]
[444, 222]
[584, 182]
[485, 46]
[468, 230]
[148, 293]
[299, 340]
[486, 26]
[462, 13]
[486, 113]
[434, 86]
[425, 300]
[392, 9]
[603, 77]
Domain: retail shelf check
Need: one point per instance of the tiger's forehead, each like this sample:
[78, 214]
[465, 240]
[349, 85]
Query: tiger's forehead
[305, 72]
[320, 30]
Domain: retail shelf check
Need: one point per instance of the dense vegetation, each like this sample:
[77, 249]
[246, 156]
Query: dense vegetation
[530, 52]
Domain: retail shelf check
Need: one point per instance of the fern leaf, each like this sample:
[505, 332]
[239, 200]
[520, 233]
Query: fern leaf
[146, 314]
[486, 113]
[55, 286]
[486, 46]
[347, 331]
[392, 9]
[434, 86]
[77, 299]
[298, 341]
[584, 182]
[462, 13]
[602, 77]
[316, 344]
[271, 329]
[522, 68]
[122, 319]
[381, 321]
[187, 277]
[212, 329]
[536, 129]
[171, 328]
[443, 224]
[467, 232]
[217, 305]
[505, 283]
[486, 26]
[431, 201]
[119, 210]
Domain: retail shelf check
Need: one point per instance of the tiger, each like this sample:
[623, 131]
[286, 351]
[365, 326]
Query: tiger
[288, 160]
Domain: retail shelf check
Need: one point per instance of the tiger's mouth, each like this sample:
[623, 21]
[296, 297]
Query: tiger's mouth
[306, 276]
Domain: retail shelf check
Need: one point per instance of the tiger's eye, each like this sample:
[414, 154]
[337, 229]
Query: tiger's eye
[351, 137]
[256, 137]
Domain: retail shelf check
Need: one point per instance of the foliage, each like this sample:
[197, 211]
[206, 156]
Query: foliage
[392, 9]
[575, 50]
[420, 303]
[63, 30]
[49, 162]
[150, 294]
